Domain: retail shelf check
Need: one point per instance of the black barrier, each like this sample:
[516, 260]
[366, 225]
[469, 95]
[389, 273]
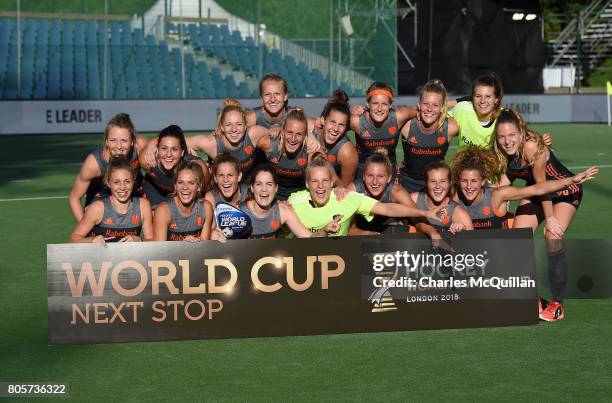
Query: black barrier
[252, 288]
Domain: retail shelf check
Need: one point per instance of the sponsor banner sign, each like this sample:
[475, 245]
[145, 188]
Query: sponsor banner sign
[91, 116]
[254, 288]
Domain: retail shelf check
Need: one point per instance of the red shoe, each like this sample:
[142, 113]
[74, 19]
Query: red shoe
[540, 309]
[552, 312]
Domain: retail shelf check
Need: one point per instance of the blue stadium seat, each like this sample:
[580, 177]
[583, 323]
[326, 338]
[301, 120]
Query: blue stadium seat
[226, 35]
[5, 39]
[205, 39]
[115, 37]
[91, 38]
[126, 34]
[194, 87]
[237, 38]
[168, 73]
[243, 90]
[171, 28]
[208, 89]
[158, 89]
[133, 90]
[218, 83]
[230, 87]
[250, 42]
[138, 37]
[64, 59]
[194, 36]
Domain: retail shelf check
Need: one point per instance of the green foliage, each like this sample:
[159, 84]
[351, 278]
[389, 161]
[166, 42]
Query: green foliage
[128, 7]
[601, 74]
[304, 19]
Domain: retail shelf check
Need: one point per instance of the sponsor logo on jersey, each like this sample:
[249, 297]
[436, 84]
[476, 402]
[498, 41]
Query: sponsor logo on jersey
[392, 130]
[275, 224]
[331, 158]
[301, 161]
[173, 225]
[441, 140]
[366, 134]
[199, 220]
[135, 219]
[413, 140]
[248, 150]
[486, 211]
[108, 221]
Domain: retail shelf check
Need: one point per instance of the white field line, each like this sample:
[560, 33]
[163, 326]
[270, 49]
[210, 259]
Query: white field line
[42, 165]
[34, 198]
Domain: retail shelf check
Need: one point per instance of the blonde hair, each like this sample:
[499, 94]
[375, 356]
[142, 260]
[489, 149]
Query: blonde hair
[229, 105]
[122, 121]
[296, 114]
[379, 156]
[436, 86]
[511, 116]
[190, 166]
[319, 161]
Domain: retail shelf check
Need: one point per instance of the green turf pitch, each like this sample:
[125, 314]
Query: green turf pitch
[569, 360]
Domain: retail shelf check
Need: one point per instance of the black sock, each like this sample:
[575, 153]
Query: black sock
[557, 275]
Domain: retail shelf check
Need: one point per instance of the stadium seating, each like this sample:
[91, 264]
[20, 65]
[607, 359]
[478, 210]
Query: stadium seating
[90, 59]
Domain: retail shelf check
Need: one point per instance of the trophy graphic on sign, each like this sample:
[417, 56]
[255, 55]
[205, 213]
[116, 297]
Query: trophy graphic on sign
[381, 297]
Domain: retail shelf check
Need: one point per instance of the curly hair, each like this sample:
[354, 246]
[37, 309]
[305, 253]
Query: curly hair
[475, 158]
[508, 115]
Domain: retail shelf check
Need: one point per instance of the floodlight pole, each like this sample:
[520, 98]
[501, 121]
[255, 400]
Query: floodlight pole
[105, 81]
[608, 94]
[578, 51]
[182, 48]
[331, 44]
[18, 48]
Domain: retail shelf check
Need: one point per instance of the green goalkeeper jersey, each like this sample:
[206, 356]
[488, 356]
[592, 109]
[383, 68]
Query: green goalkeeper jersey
[316, 218]
[470, 129]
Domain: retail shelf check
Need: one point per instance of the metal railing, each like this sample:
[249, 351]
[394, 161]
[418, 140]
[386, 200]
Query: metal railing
[567, 38]
[335, 71]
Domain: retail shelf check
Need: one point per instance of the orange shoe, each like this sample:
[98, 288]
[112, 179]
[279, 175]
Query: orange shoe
[540, 309]
[552, 312]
